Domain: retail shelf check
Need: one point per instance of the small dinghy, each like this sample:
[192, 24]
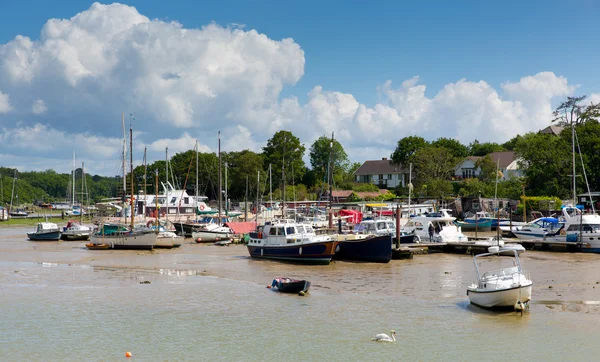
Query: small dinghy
[287, 285]
[92, 246]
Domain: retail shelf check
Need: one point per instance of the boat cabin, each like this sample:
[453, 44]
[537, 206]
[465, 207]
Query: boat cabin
[378, 227]
[282, 234]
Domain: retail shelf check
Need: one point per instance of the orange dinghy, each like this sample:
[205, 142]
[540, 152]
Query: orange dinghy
[92, 246]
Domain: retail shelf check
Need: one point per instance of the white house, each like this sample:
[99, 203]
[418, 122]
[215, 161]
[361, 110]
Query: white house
[382, 173]
[507, 163]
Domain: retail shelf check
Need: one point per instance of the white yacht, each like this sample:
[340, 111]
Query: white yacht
[172, 202]
[443, 224]
[578, 228]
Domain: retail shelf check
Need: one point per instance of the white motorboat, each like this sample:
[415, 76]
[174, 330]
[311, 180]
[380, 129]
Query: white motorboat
[212, 233]
[538, 228]
[578, 228]
[443, 223]
[503, 287]
[76, 231]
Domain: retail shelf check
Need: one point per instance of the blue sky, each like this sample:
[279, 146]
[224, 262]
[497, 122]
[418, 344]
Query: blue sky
[352, 48]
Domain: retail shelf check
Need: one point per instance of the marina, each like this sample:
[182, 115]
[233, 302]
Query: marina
[172, 292]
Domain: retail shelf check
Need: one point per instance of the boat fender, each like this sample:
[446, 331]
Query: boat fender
[300, 251]
[260, 235]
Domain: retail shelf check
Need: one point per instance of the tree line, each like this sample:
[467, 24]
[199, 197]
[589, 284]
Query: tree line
[545, 158]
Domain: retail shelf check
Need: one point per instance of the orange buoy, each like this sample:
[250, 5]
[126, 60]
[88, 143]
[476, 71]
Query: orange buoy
[127, 354]
[198, 240]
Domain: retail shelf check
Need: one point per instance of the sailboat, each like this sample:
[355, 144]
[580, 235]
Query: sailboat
[214, 232]
[126, 237]
[75, 230]
[20, 213]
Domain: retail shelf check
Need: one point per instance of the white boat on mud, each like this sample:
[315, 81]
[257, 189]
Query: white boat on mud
[505, 287]
[211, 233]
[443, 224]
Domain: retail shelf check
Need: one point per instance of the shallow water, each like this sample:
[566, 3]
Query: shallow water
[203, 303]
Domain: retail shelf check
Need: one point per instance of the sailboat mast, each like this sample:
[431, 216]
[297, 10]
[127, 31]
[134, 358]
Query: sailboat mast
[131, 168]
[73, 183]
[270, 186]
[81, 203]
[167, 188]
[330, 180]
[283, 180]
[145, 172]
[246, 201]
[156, 198]
[257, 194]
[573, 154]
[13, 191]
[220, 186]
[124, 157]
[196, 193]
[226, 199]
[409, 187]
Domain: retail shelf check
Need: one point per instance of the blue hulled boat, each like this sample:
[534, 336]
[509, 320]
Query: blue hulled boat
[289, 241]
[47, 231]
[369, 248]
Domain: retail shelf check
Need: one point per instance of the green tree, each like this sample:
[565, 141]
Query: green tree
[481, 149]
[546, 162]
[433, 167]
[572, 112]
[407, 147]
[457, 149]
[510, 144]
[322, 152]
[284, 153]
[487, 168]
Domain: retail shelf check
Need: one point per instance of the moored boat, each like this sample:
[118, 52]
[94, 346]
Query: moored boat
[92, 246]
[368, 248]
[500, 288]
[287, 285]
[121, 237]
[75, 231]
[46, 231]
[286, 240]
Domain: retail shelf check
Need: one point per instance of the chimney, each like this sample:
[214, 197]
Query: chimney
[384, 159]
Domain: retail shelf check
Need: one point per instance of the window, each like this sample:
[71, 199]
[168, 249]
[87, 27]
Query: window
[186, 200]
[290, 230]
[273, 231]
[173, 199]
[468, 173]
[389, 176]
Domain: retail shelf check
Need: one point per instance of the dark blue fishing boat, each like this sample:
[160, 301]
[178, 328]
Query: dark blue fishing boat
[287, 285]
[368, 248]
[48, 231]
[288, 241]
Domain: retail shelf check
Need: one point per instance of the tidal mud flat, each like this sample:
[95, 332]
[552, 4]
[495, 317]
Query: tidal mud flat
[562, 281]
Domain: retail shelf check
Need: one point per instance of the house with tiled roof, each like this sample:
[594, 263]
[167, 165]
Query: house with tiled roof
[382, 173]
[552, 129]
[507, 162]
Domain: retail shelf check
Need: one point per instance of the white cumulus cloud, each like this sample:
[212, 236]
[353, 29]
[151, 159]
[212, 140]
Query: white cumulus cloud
[69, 88]
[39, 107]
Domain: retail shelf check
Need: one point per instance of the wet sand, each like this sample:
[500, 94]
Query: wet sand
[562, 281]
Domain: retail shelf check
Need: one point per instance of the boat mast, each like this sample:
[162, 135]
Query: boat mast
[81, 203]
[226, 200]
[330, 180]
[246, 201]
[124, 158]
[573, 154]
[220, 185]
[196, 193]
[257, 194]
[270, 187]
[410, 187]
[13, 191]
[283, 180]
[131, 175]
[167, 188]
[73, 185]
[156, 198]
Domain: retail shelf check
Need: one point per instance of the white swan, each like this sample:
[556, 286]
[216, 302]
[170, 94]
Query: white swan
[382, 337]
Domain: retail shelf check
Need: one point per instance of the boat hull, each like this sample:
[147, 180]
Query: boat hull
[309, 253]
[376, 249]
[484, 225]
[141, 241]
[285, 285]
[45, 236]
[501, 298]
[75, 236]
[210, 236]
[185, 229]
